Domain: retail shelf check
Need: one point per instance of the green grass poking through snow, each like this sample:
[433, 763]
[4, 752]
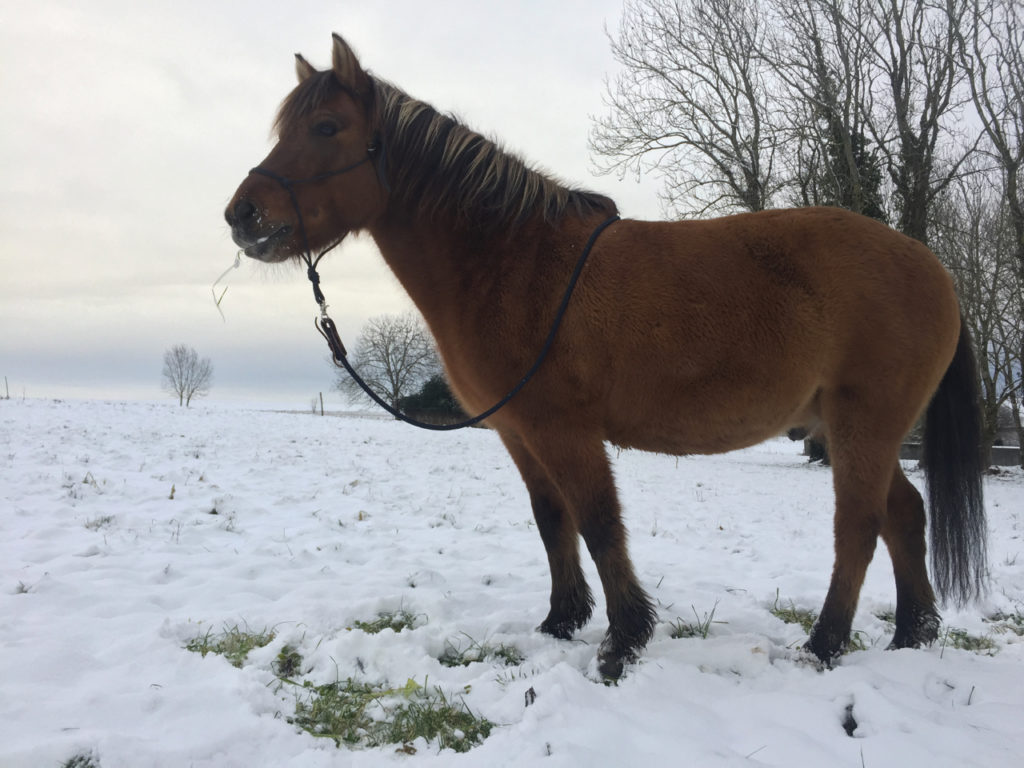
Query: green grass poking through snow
[233, 643]
[359, 713]
[362, 713]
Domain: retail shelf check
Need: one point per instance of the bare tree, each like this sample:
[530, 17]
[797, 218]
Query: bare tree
[820, 51]
[974, 238]
[395, 355]
[912, 116]
[693, 102]
[185, 374]
[732, 101]
[992, 51]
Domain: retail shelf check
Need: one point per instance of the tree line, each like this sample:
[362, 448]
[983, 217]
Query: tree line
[907, 111]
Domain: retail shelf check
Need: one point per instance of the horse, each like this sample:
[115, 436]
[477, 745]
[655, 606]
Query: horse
[682, 337]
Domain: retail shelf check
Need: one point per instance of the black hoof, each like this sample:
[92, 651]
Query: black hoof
[613, 655]
[826, 646]
[920, 629]
[561, 629]
[563, 622]
[610, 669]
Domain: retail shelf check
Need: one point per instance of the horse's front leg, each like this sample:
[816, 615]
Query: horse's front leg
[571, 601]
[580, 470]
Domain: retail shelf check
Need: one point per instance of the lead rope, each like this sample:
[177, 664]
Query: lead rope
[339, 356]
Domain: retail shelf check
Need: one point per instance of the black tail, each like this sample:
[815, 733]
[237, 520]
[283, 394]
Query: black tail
[953, 466]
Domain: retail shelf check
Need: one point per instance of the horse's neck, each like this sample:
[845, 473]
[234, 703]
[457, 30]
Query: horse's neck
[422, 259]
[439, 266]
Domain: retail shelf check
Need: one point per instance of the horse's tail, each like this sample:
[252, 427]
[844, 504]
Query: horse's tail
[953, 467]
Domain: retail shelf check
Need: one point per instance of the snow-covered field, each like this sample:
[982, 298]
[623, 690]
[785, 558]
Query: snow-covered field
[128, 529]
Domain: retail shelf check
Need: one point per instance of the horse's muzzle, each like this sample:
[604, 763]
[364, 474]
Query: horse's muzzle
[264, 247]
[259, 240]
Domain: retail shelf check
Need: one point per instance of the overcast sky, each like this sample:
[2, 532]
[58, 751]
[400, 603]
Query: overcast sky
[126, 127]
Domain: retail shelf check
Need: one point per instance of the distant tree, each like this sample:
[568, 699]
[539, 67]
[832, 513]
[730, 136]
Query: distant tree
[186, 374]
[993, 53]
[694, 102]
[434, 402]
[857, 103]
[915, 47]
[975, 238]
[395, 355]
[820, 52]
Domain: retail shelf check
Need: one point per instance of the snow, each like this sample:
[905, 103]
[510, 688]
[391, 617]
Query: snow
[323, 521]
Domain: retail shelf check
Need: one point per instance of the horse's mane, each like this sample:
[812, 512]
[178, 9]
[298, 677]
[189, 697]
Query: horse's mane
[438, 167]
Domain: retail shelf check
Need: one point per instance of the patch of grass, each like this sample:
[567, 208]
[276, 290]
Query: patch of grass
[806, 618]
[964, 641]
[457, 655]
[288, 663]
[793, 615]
[856, 642]
[888, 616]
[360, 713]
[234, 643]
[395, 620]
[1007, 622]
[97, 523]
[354, 713]
[81, 760]
[506, 677]
[699, 628]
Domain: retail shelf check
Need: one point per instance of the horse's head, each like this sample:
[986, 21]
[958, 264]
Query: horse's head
[322, 165]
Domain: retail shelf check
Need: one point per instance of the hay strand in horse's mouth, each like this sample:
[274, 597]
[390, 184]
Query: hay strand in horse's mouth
[213, 288]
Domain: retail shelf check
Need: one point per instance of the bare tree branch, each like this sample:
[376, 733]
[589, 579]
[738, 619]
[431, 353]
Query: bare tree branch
[692, 102]
[185, 374]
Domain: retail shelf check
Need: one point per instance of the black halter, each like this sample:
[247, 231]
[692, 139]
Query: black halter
[289, 186]
[326, 327]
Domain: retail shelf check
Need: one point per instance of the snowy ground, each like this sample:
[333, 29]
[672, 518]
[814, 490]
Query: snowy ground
[321, 522]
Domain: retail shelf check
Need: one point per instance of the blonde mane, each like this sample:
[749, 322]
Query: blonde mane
[438, 167]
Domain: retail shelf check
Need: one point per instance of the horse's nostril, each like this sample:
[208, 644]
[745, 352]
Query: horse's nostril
[243, 211]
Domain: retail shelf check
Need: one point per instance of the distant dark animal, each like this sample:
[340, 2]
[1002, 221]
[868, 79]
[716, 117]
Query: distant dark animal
[686, 337]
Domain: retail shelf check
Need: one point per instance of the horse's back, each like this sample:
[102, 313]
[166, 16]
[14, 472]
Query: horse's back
[732, 328]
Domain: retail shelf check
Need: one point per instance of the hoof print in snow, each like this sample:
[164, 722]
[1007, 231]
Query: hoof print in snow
[849, 722]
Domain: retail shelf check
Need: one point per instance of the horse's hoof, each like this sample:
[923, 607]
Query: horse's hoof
[825, 646]
[921, 629]
[610, 668]
[563, 624]
[823, 660]
[560, 630]
[612, 658]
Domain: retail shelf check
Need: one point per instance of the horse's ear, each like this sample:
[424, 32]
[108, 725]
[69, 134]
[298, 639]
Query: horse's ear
[347, 69]
[303, 68]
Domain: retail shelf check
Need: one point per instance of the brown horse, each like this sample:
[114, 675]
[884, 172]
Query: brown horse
[682, 337]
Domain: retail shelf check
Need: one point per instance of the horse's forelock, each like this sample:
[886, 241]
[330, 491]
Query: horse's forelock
[308, 96]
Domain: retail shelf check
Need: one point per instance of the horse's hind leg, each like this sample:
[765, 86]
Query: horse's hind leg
[917, 621]
[582, 473]
[861, 475]
[571, 601]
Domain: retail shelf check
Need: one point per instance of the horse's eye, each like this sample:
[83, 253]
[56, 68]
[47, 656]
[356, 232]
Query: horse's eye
[326, 128]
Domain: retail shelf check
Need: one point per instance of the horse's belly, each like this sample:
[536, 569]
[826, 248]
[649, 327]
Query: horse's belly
[715, 419]
[687, 438]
